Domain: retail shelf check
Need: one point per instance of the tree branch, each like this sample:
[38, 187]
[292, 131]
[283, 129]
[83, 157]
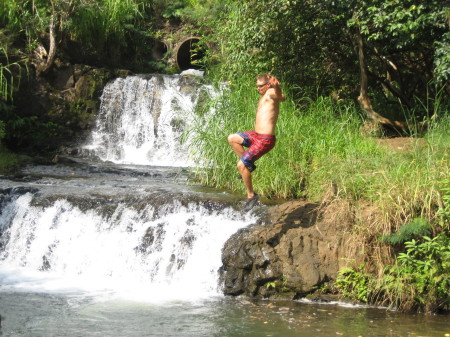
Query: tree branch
[396, 92]
[52, 49]
[44, 60]
[363, 98]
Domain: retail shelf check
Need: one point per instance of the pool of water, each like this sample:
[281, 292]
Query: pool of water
[46, 314]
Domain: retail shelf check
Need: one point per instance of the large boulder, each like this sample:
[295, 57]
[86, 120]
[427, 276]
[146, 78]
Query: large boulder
[300, 248]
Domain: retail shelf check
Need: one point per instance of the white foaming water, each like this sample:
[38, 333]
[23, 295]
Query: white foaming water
[172, 253]
[142, 120]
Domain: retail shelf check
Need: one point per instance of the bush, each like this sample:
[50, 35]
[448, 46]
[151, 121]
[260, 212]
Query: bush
[353, 283]
[419, 279]
[418, 227]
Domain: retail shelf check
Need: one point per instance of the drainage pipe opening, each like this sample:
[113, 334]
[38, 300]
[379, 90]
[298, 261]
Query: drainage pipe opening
[189, 53]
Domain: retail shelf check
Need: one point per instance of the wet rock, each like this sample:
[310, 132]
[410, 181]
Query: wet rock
[300, 249]
[59, 159]
[63, 78]
[18, 190]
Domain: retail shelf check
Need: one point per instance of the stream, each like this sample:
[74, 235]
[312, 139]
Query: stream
[120, 242]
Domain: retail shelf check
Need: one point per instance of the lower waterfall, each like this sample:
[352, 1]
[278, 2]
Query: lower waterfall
[134, 248]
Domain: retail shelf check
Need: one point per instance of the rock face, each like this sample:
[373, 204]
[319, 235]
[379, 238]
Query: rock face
[300, 248]
[65, 101]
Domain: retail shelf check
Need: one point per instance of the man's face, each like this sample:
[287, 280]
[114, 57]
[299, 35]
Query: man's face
[262, 86]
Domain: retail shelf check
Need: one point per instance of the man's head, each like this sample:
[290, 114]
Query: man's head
[263, 83]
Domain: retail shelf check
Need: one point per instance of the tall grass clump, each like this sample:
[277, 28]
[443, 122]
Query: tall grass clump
[320, 144]
[8, 82]
[314, 141]
[107, 20]
[409, 184]
[95, 23]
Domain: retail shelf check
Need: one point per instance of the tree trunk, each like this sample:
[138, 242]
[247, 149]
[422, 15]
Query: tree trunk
[363, 98]
[52, 49]
[44, 60]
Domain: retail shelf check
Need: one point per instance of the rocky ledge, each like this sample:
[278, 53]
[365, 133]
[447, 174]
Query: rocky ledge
[302, 246]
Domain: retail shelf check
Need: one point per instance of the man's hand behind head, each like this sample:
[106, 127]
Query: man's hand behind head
[273, 81]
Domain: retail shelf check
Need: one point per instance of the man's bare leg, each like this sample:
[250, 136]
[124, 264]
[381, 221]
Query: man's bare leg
[247, 178]
[235, 142]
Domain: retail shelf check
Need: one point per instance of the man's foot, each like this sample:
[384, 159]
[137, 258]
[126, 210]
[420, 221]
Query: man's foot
[251, 202]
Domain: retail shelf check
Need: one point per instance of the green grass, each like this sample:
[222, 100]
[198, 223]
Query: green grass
[316, 144]
[319, 143]
[8, 161]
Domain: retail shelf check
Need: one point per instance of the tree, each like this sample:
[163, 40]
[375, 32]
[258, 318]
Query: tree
[396, 40]
[322, 46]
[101, 25]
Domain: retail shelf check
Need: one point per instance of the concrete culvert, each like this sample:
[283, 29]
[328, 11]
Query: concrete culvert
[188, 52]
[159, 50]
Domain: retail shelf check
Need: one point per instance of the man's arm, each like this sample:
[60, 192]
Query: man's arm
[277, 94]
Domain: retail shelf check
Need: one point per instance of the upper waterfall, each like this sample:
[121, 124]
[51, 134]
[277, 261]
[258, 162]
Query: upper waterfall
[143, 120]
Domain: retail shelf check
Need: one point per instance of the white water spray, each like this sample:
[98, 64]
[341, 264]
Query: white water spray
[169, 253]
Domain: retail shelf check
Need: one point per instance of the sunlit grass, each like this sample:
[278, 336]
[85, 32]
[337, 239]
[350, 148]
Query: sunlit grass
[319, 143]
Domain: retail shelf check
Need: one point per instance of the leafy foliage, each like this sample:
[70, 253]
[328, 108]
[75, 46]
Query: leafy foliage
[31, 133]
[311, 46]
[442, 60]
[444, 210]
[101, 26]
[354, 283]
[394, 32]
[420, 279]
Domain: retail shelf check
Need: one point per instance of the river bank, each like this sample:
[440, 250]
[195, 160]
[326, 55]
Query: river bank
[100, 248]
[309, 242]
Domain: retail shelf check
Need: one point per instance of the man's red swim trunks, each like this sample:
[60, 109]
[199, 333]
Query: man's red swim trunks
[258, 144]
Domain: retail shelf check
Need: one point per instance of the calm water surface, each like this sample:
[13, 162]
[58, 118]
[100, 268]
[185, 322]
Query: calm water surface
[38, 314]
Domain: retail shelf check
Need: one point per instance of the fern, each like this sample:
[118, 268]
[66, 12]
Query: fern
[417, 228]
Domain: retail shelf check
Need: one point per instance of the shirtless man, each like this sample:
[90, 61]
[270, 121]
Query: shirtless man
[262, 140]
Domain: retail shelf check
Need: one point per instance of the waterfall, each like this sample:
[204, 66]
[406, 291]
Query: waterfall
[170, 251]
[144, 120]
[132, 230]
